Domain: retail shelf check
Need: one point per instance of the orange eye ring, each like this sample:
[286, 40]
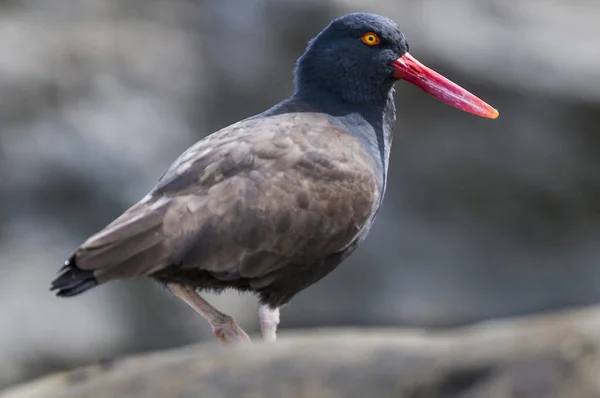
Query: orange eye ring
[371, 39]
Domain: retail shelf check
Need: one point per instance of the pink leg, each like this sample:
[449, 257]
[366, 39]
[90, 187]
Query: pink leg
[224, 326]
[269, 320]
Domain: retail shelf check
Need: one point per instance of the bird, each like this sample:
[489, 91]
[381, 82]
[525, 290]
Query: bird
[275, 202]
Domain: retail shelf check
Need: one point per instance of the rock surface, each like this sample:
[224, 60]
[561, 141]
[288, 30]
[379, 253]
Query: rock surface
[552, 356]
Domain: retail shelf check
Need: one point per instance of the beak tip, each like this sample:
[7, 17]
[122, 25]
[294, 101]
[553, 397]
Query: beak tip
[489, 113]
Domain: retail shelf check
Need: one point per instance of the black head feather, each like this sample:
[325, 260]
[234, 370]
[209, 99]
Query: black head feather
[337, 62]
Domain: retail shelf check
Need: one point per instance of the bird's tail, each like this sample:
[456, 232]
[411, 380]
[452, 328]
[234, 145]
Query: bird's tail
[72, 280]
[129, 247]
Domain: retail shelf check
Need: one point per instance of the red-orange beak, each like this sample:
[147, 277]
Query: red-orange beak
[411, 70]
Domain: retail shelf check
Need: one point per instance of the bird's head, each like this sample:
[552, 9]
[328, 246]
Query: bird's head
[359, 57]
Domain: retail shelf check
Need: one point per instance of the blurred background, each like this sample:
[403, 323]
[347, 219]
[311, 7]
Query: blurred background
[482, 219]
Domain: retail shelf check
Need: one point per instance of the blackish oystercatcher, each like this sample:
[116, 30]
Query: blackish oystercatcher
[275, 202]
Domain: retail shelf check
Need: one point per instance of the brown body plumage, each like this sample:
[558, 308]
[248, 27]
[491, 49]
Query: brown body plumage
[266, 205]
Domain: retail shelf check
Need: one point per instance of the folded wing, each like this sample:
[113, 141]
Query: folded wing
[254, 197]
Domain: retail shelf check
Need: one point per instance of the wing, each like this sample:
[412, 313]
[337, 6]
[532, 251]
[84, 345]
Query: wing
[245, 201]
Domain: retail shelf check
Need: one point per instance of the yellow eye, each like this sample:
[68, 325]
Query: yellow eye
[370, 39]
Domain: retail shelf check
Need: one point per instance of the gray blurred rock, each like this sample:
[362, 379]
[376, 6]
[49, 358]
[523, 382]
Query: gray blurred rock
[545, 357]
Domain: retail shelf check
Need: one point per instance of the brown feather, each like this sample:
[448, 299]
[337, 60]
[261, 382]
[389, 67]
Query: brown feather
[245, 202]
[129, 246]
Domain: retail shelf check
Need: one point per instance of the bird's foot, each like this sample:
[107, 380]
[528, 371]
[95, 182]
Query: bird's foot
[229, 332]
[224, 326]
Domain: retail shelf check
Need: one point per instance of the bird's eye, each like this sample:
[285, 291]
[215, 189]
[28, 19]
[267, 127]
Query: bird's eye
[371, 39]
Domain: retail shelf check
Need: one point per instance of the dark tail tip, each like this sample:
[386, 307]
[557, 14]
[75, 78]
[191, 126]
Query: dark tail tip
[72, 280]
